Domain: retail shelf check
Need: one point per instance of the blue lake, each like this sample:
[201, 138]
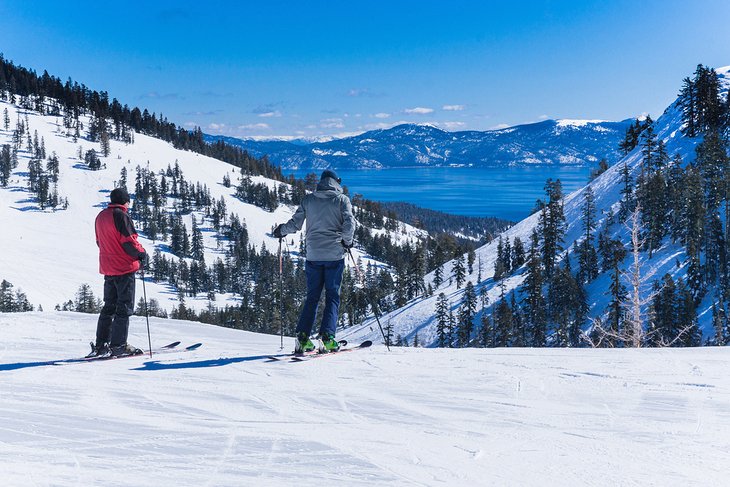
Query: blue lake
[508, 193]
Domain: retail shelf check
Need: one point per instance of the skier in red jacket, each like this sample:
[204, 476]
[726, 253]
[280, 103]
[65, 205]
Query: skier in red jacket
[120, 256]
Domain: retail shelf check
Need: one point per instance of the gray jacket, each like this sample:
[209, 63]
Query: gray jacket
[329, 221]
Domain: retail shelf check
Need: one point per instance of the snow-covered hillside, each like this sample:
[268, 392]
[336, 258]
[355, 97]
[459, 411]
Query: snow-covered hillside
[223, 416]
[418, 316]
[49, 254]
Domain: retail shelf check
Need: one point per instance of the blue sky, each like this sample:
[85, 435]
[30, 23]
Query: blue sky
[323, 68]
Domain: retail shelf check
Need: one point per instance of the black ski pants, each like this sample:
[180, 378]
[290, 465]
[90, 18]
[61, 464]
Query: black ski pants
[113, 324]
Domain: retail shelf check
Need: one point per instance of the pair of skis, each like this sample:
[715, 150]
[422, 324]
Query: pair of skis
[174, 347]
[315, 354]
[169, 348]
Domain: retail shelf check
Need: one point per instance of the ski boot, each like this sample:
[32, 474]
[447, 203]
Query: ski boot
[328, 344]
[101, 350]
[125, 351]
[303, 344]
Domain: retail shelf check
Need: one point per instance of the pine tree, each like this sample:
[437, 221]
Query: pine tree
[197, 249]
[500, 269]
[654, 210]
[664, 325]
[518, 253]
[471, 257]
[92, 160]
[688, 101]
[485, 333]
[442, 320]
[552, 225]
[617, 291]
[519, 330]
[675, 183]
[567, 305]
[687, 317]
[6, 297]
[52, 167]
[631, 139]
[85, 301]
[693, 225]
[720, 324]
[628, 199]
[587, 256]
[6, 165]
[467, 312]
[438, 276]
[502, 323]
[533, 302]
[459, 272]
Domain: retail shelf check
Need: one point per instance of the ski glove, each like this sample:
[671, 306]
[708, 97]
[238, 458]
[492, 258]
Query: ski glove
[346, 245]
[277, 232]
[142, 258]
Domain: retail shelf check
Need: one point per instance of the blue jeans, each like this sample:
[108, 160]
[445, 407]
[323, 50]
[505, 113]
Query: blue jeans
[327, 275]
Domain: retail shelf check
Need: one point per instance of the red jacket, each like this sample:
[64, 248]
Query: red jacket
[119, 249]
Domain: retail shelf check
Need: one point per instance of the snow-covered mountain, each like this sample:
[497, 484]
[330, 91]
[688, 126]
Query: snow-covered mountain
[582, 142]
[419, 318]
[222, 416]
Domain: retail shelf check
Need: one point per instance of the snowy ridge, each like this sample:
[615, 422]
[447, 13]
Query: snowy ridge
[418, 316]
[221, 416]
[581, 142]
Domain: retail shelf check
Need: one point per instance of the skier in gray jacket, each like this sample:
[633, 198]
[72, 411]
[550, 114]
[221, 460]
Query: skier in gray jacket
[329, 233]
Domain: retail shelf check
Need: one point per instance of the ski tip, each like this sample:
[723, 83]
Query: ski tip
[172, 345]
[365, 344]
[194, 346]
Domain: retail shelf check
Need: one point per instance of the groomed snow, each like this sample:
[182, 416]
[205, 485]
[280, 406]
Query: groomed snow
[222, 416]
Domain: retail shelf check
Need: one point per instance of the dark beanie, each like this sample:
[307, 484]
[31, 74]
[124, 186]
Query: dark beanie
[119, 196]
[329, 173]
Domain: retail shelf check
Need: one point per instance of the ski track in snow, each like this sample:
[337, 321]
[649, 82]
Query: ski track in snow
[222, 416]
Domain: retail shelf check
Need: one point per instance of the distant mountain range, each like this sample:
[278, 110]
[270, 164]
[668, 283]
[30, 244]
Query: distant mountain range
[577, 142]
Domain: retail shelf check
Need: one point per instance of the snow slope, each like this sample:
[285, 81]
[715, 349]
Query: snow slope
[418, 316]
[48, 254]
[222, 416]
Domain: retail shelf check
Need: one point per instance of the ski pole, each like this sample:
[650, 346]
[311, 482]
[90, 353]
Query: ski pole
[146, 310]
[281, 294]
[372, 306]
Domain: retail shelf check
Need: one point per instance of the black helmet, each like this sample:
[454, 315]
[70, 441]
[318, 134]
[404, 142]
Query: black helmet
[119, 196]
[329, 173]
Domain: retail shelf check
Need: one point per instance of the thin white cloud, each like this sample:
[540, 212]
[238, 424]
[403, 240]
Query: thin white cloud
[454, 108]
[363, 93]
[418, 111]
[254, 126]
[275, 113]
[217, 126]
[332, 123]
[452, 125]
[382, 125]
[162, 96]
[382, 115]
[500, 126]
